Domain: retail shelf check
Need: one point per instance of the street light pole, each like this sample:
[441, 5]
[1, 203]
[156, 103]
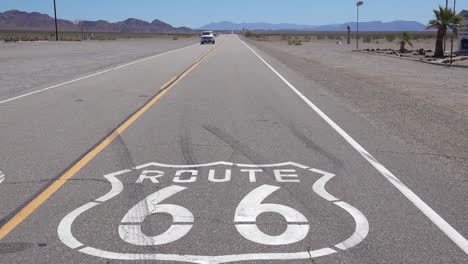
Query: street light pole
[358, 4]
[56, 27]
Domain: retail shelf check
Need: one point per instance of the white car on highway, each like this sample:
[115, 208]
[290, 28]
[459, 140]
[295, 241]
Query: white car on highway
[207, 37]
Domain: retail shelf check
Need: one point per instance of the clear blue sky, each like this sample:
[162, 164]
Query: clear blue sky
[195, 13]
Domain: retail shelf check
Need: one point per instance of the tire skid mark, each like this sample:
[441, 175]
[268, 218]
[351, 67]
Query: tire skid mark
[134, 192]
[240, 148]
[12, 220]
[443, 225]
[185, 142]
[337, 163]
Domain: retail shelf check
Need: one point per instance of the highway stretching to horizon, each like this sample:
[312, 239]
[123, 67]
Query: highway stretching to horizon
[212, 154]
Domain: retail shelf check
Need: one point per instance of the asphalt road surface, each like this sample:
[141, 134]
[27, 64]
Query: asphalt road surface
[213, 154]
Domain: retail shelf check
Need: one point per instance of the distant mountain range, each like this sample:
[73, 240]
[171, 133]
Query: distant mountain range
[18, 20]
[398, 25]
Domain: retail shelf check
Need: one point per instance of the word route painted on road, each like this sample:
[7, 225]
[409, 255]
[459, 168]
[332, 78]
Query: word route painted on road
[217, 175]
[160, 190]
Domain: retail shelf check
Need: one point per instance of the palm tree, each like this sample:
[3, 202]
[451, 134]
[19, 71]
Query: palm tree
[445, 18]
[404, 39]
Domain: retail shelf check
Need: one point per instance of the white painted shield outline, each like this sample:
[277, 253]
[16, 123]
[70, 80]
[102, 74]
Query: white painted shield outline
[360, 233]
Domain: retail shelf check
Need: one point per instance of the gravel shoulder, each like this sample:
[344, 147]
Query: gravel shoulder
[28, 66]
[424, 105]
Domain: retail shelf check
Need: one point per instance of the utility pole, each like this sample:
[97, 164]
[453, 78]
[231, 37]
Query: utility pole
[358, 4]
[56, 27]
[453, 33]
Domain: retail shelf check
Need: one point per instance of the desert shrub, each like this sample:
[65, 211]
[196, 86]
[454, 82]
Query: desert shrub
[367, 39]
[10, 39]
[248, 34]
[375, 36]
[429, 36]
[175, 37]
[319, 37]
[71, 38]
[284, 37]
[390, 37]
[307, 38]
[295, 41]
[103, 37]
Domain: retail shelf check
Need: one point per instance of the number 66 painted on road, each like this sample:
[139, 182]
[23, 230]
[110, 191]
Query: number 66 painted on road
[245, 218]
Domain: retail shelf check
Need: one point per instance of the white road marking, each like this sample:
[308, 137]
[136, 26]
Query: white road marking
[2, 176]
[319, 186]
[212, 176]
[130, 230]
[94, 74]
[64, 228]
[116, 186]
[221, 163]
[151, 175]
[443, 225]
[362, 227]
[244, 216]
[251, 207]
[208, 259]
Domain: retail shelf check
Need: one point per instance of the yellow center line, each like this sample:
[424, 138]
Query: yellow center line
[55, 186]
[168, 82]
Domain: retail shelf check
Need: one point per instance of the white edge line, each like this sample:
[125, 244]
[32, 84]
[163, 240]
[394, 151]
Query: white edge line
[407, 192]
[2, 176]
[94, 74]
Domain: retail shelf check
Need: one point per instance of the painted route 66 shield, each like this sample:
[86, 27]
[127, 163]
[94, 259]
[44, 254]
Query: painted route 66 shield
[196, 213]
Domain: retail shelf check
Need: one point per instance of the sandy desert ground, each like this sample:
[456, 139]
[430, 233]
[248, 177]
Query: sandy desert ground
[438, 85]
[26, 66]
[412, 99]
[427, 44]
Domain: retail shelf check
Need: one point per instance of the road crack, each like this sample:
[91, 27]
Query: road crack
[48, 180]
[457, 158]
